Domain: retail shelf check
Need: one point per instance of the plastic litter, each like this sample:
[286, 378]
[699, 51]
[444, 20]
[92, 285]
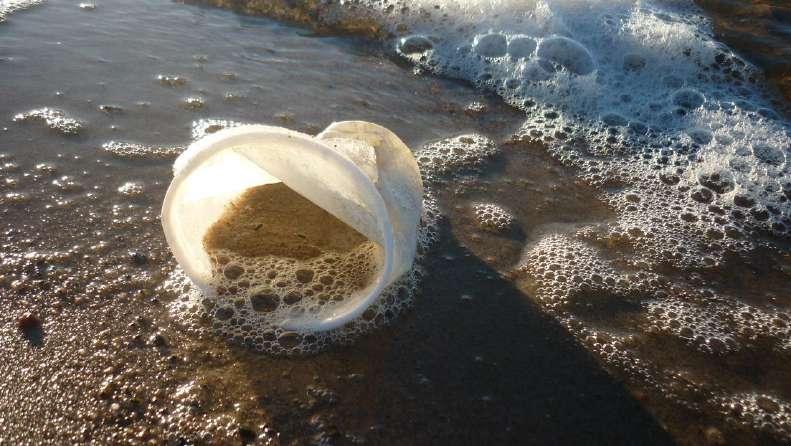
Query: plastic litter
[359, 172]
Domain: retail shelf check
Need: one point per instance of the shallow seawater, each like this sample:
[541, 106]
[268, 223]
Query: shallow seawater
[761, 31]
[571, 296]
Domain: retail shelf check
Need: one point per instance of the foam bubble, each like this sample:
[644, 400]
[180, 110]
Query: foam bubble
[565, 270]
[567, 53]
[131, 150]
[67, 183]
[688, 98]
[54, 119]
[193, 102]
[412, 45]
[475, 108]
[233, 96]
[493, 217]
[454, 155]
[719, 327]
[203, 127]
[255, 294]
[131, 189]
[521, 47]
[490, 45]
[171, 80]
[760, 411]
[14, 198]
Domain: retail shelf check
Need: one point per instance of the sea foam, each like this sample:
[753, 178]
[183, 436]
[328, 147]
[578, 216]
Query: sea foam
[634, 93]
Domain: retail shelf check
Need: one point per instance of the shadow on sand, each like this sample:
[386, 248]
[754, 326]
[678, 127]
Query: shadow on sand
[492, 369]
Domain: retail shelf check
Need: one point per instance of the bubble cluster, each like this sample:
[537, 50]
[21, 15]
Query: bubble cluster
[131, 150]
[414, 45]
[720, 326]
[578, 282]
[131, 189]
[254, 295]
[637, 95]
[493, 217]
[701, 326]
[475, 108]
[759, 411]
[193, 103]
[454, 155]
[171, 80]
[111, 109]
[54, 119]
[566, 270]
[12, 198]
[203, 127]
[668, 222]
[233, 96]
[67, 183]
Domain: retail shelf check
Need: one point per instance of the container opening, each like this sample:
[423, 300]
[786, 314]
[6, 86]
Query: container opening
[274, 252]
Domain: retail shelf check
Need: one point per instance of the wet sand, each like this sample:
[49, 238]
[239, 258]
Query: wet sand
[273, 220]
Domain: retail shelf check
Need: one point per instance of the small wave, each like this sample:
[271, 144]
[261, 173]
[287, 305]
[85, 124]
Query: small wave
[8, 7]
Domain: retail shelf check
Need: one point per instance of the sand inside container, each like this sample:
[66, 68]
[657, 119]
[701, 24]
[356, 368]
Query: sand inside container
[282, 248]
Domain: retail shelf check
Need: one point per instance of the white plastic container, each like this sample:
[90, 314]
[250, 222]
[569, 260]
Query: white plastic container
[360, 172]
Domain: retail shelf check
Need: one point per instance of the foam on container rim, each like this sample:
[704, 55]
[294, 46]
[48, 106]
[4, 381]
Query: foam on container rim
[360, 172]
